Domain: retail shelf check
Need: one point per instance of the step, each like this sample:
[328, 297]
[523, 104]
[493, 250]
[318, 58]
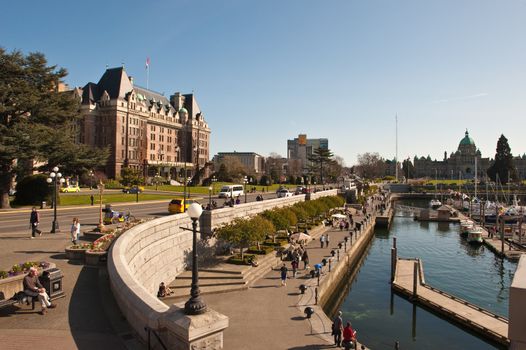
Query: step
[184, 293]
[207, 283]
[210, 275]
[229, 269]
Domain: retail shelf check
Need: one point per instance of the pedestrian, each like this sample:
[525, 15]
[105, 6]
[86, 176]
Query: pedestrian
[92, 199]
[283, 270]
[322, 240]
[305, 258]
[327, 240]
[294, 268]
[75, 230]
[337, 328]
[341, 225]
[349, 336]
[34, 221]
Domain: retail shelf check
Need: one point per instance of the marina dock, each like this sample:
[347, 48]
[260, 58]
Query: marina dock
[409, 281]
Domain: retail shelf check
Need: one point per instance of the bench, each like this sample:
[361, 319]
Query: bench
[18, 298]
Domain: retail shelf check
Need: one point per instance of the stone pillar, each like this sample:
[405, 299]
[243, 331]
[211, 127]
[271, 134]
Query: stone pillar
[517, 307]
[196, 332]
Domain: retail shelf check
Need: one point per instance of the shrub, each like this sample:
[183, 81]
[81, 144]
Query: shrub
[263, 250]
[236, 259]
[32, 190]
[279, 221]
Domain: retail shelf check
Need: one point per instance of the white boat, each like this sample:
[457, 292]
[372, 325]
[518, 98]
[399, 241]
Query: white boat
[475, 235]
[465, 226]
[435, 204]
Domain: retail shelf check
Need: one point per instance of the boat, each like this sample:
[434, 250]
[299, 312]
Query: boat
[465, 226]
[475, 235]
[435, 204]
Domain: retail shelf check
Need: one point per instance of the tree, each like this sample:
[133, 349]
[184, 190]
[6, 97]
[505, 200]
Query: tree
[131, 177]
[35, 118]
[370, 165]
[241, 233]
[503, 167]
[408, 168]
[320, 157]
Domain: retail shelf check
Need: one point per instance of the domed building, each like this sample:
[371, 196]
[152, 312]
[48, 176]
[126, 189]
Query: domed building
[460, 164]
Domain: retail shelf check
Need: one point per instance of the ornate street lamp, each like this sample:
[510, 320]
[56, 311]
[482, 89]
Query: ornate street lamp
[55, 177]
[210, 197]
[245, 180]
[100, 186]
[195, 305]
[214, 180]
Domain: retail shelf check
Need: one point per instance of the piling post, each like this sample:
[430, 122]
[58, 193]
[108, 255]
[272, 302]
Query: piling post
[393, 263]
[415, 280]
[338, 254]
[330, 260]
[316, 296]
[502, 221]
[394, 242]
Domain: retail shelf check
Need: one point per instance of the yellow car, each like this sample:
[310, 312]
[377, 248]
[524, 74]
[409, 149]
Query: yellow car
[177, 204]
[70, 188]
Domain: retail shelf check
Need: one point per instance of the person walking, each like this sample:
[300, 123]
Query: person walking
[322, 240]
[305, 258]
[283, 270]
[327, 240]
[92, 199]
[34, 221]
[294, 265]
[75, 230]
[337, 328]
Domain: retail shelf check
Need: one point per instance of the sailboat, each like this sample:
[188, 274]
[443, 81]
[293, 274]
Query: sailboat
[435, 203]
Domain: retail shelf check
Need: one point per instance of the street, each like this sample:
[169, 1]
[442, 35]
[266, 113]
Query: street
[15, 223]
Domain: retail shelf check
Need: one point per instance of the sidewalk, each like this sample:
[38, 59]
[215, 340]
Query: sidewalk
[266, 316]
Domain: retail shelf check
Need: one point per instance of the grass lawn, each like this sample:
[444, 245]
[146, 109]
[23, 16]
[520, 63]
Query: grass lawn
[216, 187]
[111, 198]
[447, 182]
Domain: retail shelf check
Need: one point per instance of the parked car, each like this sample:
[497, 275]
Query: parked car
[70, 188]
[178, 205]
[283, 193]
[133, 189]
[300, 190]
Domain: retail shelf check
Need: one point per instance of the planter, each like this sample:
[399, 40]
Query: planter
[96, 258]
[11, 285]
[92, 235]
[75, 253]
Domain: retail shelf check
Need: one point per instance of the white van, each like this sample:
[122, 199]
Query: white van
[230, 191]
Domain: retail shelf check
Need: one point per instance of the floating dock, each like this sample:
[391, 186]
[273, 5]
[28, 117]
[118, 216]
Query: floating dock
[409, 281]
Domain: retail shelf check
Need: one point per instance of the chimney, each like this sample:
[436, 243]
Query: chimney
[131, 79]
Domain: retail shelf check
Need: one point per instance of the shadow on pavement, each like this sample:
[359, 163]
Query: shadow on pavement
[89, 325]
[36, 252]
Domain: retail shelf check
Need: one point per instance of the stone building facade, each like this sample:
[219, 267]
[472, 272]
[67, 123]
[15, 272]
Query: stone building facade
[459, 164]
[300, 149]
[144, 129]
[253, 162]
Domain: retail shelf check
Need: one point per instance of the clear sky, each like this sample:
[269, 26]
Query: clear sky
[265, 71]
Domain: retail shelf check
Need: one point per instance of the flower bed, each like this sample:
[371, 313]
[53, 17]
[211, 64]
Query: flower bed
[23, 268]
[11, 282]
[95, 253]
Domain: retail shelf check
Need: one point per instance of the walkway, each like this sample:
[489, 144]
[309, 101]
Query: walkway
[266, 315]
[482, 321]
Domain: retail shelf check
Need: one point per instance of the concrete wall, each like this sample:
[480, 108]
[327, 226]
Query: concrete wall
[157, 251]
[517, 307]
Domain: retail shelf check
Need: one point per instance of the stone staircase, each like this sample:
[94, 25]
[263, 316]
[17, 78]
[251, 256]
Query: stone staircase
[222, 278]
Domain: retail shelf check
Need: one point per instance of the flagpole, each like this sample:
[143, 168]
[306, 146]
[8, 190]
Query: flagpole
[396, 146]
[147, 77]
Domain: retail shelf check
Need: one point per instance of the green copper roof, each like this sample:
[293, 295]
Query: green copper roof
[183, 110]
[466, 141]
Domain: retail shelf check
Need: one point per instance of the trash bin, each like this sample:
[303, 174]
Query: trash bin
[43, 205]
[51, 279]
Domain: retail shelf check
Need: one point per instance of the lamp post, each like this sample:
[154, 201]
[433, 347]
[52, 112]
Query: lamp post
[195, 305]
[214, 180]
[55, 177]
[184, 177]
[100, 187]
[91, 179]
[245, 180]
[210, 197]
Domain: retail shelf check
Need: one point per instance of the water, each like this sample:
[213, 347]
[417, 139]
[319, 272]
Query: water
[451, 264]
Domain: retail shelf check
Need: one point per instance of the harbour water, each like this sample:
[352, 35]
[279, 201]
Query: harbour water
[450, 264]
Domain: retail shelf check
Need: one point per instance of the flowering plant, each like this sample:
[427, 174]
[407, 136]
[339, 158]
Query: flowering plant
[22, 268]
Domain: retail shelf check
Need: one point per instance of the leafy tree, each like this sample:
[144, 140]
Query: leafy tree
[321, 157]
[242, 233]
[264, 179]
[503, 167]
[131, 177]
[222, 173]
[36, 121]
[408, 168]
[32, 190]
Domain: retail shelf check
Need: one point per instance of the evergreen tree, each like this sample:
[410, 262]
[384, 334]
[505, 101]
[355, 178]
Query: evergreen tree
[321, 158]
[36, 121]
[503, 167]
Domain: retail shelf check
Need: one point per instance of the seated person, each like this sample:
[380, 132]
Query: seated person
[163, 291]
[349, 336]
[33, 288]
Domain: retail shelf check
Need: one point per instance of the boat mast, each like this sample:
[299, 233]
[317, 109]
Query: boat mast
[396, 147]
[475, 177]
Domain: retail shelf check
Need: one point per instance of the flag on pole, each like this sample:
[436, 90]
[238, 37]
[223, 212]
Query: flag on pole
[147, 62]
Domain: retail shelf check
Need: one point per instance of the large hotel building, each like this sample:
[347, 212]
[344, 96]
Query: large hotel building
[144, 129]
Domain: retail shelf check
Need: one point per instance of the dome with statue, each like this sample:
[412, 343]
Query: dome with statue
[467, 141]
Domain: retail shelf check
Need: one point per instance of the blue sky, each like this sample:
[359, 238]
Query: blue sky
[265, 71]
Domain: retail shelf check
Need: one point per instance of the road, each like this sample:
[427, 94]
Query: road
[15, 223]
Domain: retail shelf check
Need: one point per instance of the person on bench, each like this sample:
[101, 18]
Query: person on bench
[33, 288]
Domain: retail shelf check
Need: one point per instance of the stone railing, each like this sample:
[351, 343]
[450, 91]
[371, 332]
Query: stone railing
[157, 251]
